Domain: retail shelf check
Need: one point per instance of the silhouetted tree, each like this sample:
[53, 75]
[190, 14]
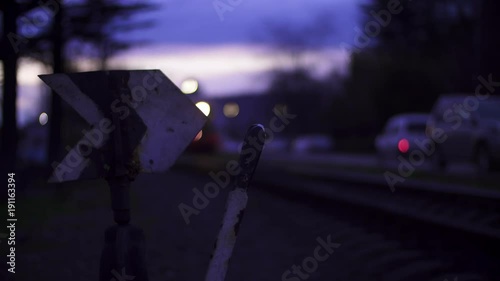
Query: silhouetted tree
[489, 42]
[94, 24]
[9, 56]
[98, 24]
[428, 48]
[294, 41]
[444, 31]
[46, 32]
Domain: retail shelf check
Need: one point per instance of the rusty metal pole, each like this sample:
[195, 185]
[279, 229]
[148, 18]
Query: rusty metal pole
[119, 182]
[159, 118]
[236, 204]
[123, 255]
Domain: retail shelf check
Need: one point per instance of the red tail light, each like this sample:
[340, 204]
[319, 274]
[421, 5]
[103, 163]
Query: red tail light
[403, 145]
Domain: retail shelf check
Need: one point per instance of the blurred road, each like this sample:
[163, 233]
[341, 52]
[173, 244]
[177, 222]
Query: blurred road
[279, 230]
[365, 161]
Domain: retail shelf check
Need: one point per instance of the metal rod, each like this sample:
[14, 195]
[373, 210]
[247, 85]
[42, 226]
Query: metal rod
[236, 204]
[123, 254]
[119, 181]
[120, 199]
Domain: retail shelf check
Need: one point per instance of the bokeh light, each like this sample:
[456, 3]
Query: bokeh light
[231, 109]
[189, 86]
[43, 119]
[198, 136]
[403, 145]
[204, 107]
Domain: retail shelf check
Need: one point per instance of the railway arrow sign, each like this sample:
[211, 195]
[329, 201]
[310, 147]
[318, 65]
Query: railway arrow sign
[154, 120]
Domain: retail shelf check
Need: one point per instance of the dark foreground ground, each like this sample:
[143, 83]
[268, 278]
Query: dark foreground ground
[63, 241]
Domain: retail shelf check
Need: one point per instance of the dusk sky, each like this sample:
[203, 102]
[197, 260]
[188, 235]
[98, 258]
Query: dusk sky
[198, 22]
[228, 52]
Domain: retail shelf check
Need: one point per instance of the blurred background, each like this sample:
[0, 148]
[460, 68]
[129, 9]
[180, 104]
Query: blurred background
[343, 67]
[390, 92]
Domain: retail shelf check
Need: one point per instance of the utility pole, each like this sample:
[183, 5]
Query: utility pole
[56, 103]
[10, 51]
[489, 58]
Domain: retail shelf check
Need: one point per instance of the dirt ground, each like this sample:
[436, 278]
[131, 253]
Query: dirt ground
[64, 242]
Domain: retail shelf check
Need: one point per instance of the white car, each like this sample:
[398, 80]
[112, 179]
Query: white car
[472, 129]
[400, 135]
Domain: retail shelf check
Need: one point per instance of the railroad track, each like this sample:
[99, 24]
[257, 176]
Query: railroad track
[422, 231]
[476, 212]
[411, 234]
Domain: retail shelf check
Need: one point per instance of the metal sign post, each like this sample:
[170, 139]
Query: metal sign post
[139, 122]
[123, 253]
